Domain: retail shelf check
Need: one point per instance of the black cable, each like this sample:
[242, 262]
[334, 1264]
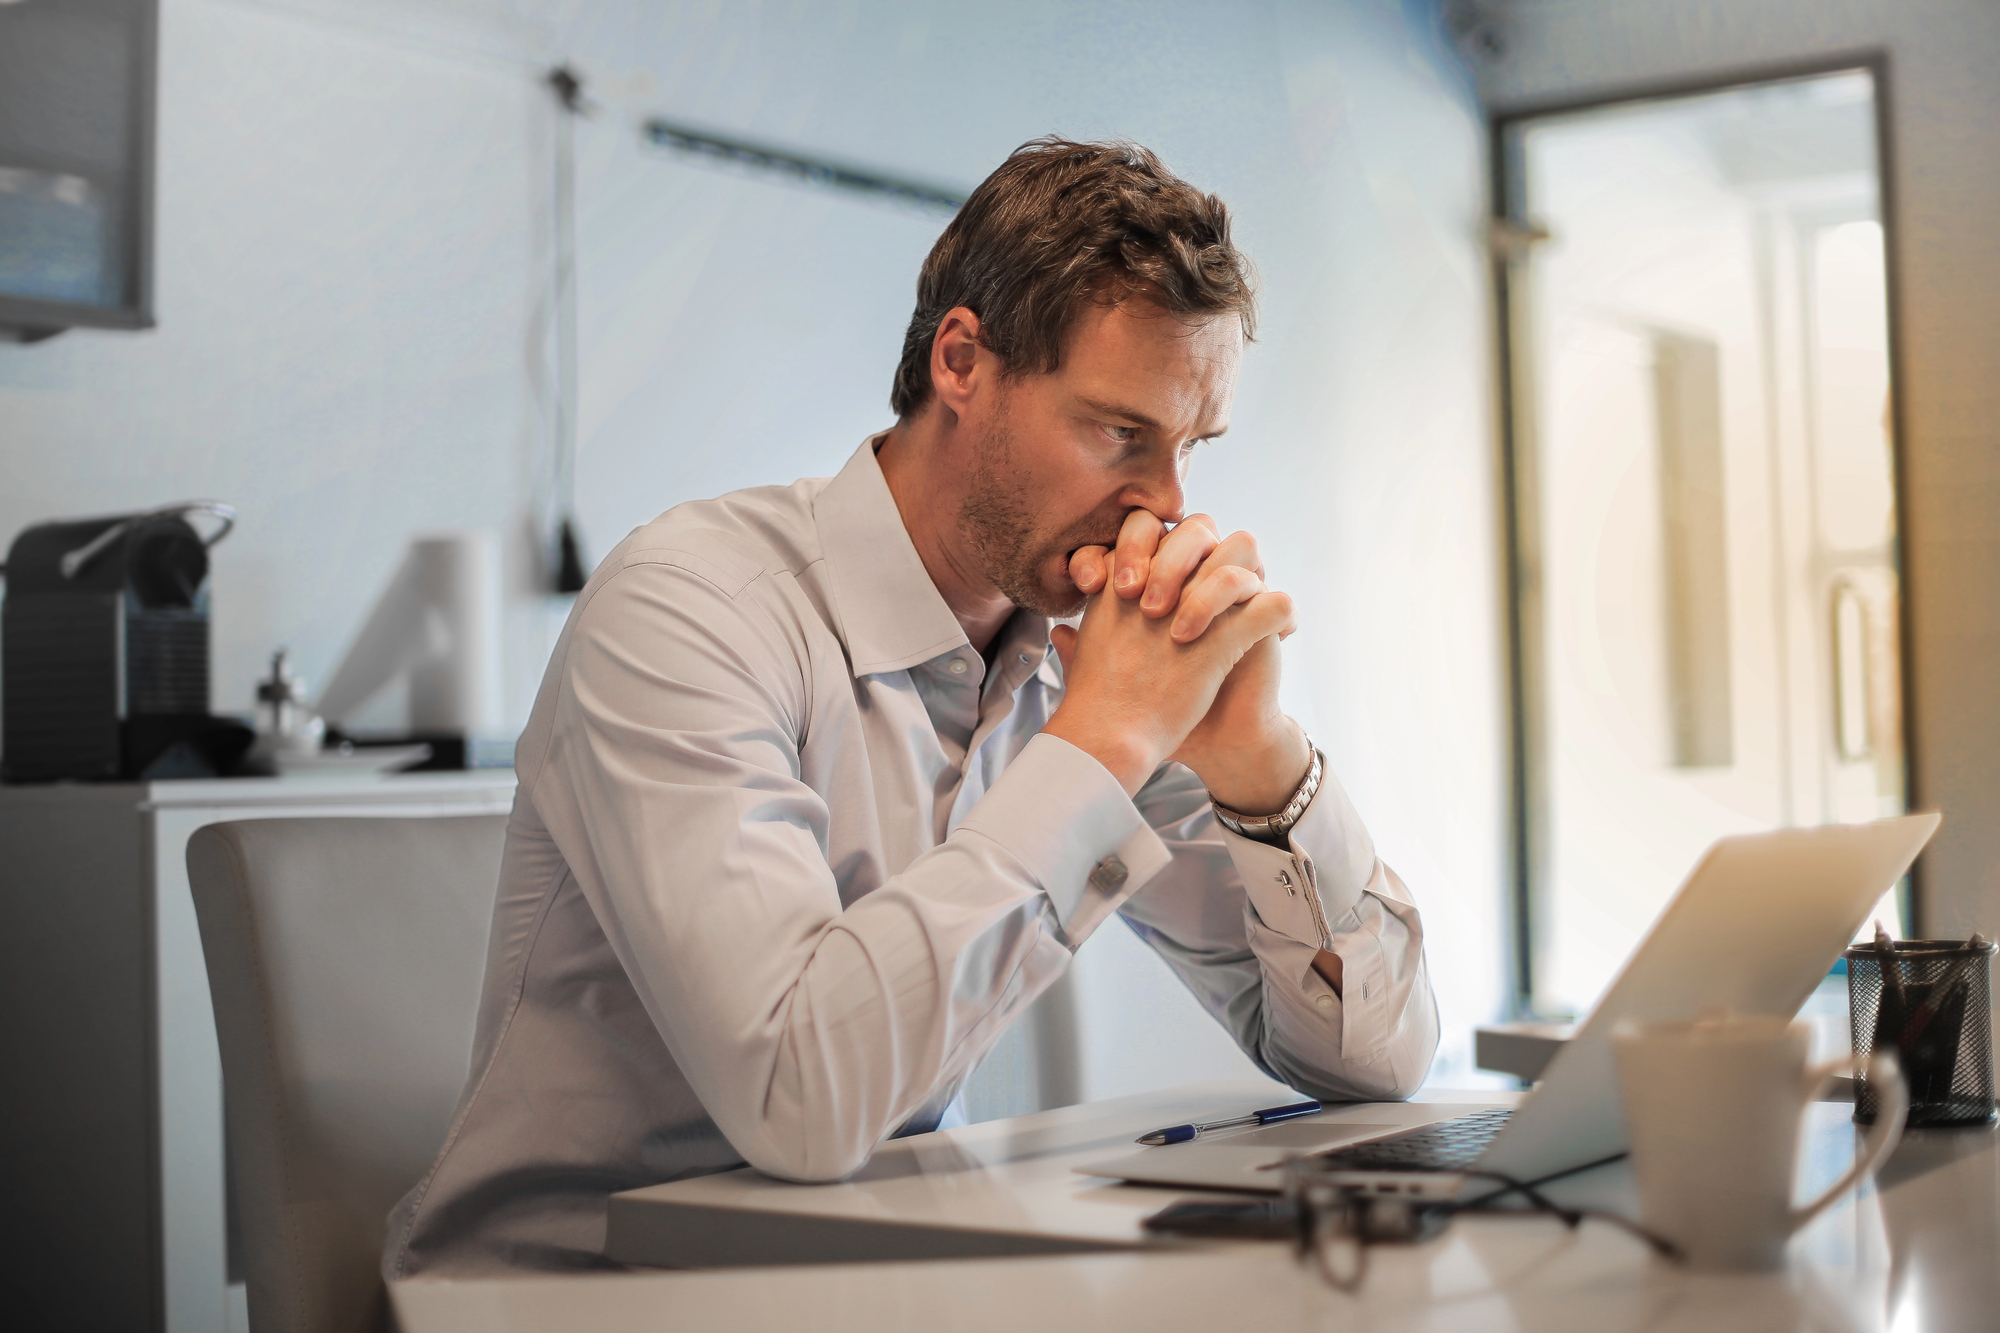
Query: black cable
[1356, 1206]
[1571, 1217]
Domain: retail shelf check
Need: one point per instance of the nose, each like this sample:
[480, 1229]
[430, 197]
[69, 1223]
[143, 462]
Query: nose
[1161, 491]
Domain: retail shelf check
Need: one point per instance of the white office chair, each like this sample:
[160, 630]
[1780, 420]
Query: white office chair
[345, 957]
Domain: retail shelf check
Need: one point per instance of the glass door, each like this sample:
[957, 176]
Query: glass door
[1703, 482]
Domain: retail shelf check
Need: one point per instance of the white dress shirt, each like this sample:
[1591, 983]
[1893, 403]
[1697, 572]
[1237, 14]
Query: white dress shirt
[788, 856]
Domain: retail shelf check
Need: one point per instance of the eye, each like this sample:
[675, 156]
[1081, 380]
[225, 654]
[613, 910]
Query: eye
[1120, 434]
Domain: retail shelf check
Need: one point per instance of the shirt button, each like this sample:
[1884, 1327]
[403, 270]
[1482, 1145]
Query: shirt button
[1324, 1002]
[958, 666]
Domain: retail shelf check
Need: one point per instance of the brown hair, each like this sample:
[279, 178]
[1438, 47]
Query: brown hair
[1059, 225]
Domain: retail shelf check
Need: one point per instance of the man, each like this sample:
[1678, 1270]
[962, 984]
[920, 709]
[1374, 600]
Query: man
[807, 815]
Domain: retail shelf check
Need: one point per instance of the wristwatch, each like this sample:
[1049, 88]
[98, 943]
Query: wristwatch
[1275, 828]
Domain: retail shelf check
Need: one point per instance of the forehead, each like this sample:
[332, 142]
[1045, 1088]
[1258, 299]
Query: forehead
[1178, 371]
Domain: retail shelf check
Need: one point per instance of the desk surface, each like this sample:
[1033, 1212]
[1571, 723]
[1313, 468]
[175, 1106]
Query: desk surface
[1004, 1187]
[1919, 1256]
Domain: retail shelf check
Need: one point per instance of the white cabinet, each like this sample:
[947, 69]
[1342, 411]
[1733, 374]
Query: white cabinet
[110, 1082]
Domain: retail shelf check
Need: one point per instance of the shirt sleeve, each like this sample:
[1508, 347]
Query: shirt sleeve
[1240, 921]
[669, 777]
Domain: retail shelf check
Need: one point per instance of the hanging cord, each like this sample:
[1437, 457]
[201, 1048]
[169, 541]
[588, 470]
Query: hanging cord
[567, 85]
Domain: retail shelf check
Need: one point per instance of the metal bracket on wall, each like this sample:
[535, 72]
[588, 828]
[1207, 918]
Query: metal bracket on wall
[799, 167]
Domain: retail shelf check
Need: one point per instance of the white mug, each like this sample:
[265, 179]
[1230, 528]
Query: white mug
[1712, 1112]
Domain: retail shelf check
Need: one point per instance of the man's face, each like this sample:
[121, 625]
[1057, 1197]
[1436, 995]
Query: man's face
[1064, 457]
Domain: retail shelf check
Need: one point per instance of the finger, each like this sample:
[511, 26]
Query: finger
[1209, 596]
[1268, 615]
[1137, 541]
[1180, 554]
[1238, 548]
[1086, 568]
[1063, 639]
[1265, 615]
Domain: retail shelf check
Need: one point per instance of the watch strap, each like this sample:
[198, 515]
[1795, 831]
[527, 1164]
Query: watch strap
[1275, 828]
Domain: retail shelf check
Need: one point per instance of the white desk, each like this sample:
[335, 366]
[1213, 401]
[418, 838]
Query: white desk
[1921, 1256]
[1001, 1188]
[114, 1170]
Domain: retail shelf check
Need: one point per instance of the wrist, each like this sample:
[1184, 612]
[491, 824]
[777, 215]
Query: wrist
[1276, 828]
[1260, 777]
[1125, 756]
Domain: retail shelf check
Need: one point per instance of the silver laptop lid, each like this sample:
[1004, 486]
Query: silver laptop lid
[1754, 928]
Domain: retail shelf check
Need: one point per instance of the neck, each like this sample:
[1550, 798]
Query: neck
[919, 460]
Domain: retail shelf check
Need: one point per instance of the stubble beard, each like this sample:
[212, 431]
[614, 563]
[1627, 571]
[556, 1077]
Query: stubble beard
[998, 519]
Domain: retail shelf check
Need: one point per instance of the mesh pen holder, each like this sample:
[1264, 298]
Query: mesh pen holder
[1933, 1005]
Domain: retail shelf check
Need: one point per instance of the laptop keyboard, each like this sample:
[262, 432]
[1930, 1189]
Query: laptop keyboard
[1449, 1145]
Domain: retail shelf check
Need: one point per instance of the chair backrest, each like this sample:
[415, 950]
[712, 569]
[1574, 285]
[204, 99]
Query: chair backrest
[345, 959]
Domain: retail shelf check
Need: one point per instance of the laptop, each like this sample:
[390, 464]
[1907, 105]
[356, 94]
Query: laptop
[1753, 929]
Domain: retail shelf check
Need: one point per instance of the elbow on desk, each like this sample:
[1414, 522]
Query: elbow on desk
[1404, 1084]
[1402, 1073]
[807, 1164]
[1368, 1085]
[1395, 1071]
[1393, 1076]
[802, 1152]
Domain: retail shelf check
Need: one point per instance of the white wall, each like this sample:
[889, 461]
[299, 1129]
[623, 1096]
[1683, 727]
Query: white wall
[350, 225]
[1944, 102]
[351, 240]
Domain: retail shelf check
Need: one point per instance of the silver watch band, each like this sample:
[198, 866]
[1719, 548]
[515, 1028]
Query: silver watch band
[1275, 828]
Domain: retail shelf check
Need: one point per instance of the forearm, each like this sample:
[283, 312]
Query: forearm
[810, 1032]
[1373, 1039]
[1345, 1010]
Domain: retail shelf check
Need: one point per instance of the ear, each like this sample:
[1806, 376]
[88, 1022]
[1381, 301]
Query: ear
[956, 359]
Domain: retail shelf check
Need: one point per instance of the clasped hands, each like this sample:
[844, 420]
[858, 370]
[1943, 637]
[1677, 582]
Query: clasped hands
[1177, 658]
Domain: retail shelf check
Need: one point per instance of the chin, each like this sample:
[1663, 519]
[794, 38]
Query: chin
[1060, 596]
[1069, 602]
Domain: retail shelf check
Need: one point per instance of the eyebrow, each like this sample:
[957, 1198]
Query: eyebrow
[1140, 418]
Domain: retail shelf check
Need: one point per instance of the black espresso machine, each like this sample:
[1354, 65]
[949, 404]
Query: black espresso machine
[104, 650]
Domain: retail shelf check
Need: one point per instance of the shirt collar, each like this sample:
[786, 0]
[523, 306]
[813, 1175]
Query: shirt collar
[891, 614]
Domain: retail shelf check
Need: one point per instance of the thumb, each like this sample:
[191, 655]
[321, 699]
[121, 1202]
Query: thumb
[1063, 639]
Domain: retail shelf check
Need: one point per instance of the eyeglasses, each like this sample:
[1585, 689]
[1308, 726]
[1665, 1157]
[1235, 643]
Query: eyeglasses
[1337, 1220]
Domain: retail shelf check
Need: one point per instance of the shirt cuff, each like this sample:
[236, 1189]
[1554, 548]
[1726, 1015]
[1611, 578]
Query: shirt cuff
[1308, 889]
[1070, 824]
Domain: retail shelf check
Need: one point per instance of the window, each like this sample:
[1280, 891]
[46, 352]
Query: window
[1702, 476]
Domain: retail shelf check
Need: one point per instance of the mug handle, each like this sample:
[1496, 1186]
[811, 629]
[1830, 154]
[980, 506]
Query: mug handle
[1893, 1096]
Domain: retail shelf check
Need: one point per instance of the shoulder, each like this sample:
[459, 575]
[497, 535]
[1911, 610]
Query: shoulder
[730, 542]
[727, 585]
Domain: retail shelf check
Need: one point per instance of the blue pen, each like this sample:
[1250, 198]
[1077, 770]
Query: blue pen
[1188, 1133]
